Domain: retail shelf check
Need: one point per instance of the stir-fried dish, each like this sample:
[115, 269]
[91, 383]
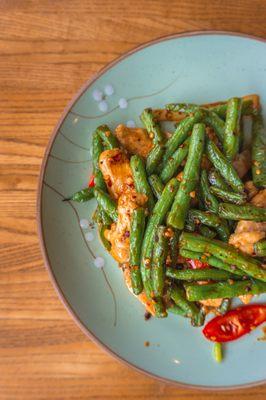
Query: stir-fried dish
[184, 213]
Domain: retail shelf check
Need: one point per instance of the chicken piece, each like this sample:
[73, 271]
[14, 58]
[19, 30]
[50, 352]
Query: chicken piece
[134, 140]
[260, 199]
[250, 189]
[116, 171]
[250, 226]
[242, 163]
[142, 296]
[119, 233]
[245, 240]
[213, 303]
[247, 233]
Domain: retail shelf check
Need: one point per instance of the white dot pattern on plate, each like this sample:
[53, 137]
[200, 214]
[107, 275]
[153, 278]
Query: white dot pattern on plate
[84, 223]
[131, 124]
[109, 90]
[89, 236]
[99, 262]
[97, 94]
[103, 106]
[122, 103]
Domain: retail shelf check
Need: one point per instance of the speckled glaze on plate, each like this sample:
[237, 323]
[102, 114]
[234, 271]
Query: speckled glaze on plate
[193, 67]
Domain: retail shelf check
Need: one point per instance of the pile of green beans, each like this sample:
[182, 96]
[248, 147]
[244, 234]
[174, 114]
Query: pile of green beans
[194, 195]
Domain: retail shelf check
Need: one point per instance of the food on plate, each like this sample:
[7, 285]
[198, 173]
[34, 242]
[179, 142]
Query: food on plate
[184, 214]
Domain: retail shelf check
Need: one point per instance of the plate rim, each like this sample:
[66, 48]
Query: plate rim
[40, 232]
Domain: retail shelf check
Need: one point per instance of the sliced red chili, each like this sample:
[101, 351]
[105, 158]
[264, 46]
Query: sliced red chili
[91, 182]
[235, 323]
[196, 264]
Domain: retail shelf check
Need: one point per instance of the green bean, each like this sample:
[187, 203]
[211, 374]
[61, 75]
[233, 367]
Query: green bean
[209, 200]
[190, 225]
[156, 185]
[220, 109]
[211, 260]
[178, 295]
[230, 289]
[160, 251]
[260, 248]
[198, 274]
[104, 218]
[210, 118]
[82, 195]
[107, 137]
[105, 242]
[217, 180]
[182, 107]
[214, 121]
[224, 167]
[224, 307]
[247, 212]
[159, 308]
[199, 318]
[177, 215]
[136, 237]
[225, 252]
[154, 158]
[206, 231]
[173, 243]
[156, 218]
[152, 125]
[218, 352]
[174, 309]
[106, 203]
[212, 220]
[258, 151]
[97, 149]
[171, 165]
[141, 180]
[232, 128]
[181, 134]
[231, 197]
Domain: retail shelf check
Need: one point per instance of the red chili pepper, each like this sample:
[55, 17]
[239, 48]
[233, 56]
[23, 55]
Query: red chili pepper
[196, 264]
[235, 323]
[91, 182]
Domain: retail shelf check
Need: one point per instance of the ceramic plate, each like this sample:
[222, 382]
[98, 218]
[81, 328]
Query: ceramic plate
[197, 67]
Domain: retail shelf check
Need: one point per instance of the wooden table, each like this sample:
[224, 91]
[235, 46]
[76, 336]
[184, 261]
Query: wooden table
[47, 50]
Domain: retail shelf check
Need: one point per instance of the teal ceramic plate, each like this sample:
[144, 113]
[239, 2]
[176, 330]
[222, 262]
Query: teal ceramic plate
[194, 67]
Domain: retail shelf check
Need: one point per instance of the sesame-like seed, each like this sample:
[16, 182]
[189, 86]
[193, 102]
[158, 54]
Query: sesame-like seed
[223, 328]
[258, 171]
[192, 194]
[168, 233]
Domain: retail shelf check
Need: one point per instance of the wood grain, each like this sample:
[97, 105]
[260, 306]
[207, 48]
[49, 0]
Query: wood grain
[48, 49]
